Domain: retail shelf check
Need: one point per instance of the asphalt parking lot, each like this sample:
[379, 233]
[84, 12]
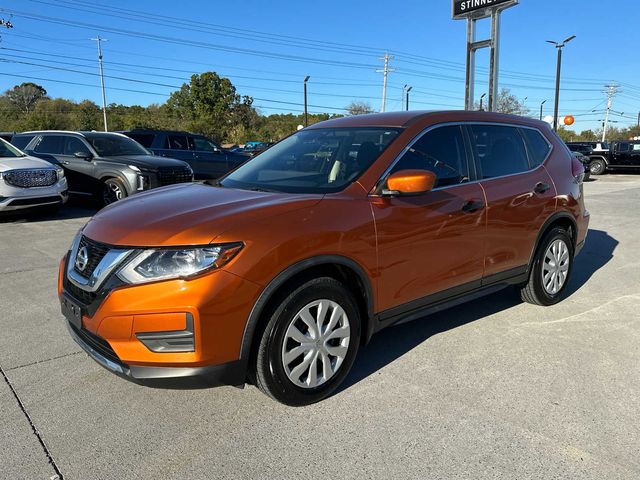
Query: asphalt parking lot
[491, 389]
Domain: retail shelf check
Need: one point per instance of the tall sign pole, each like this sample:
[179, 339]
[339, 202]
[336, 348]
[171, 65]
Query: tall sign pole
[472, 11]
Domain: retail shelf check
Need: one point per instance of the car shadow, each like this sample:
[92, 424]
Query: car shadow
[394, 342]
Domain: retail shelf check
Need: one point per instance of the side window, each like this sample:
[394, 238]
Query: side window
[22, 141]
[500, 150]
[74, 145]
[203, 145]
[440, 151]
[624, 147]
[537, 146]
[177, 142]
[53, 144]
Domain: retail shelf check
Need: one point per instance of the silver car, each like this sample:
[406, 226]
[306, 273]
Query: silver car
[27, 182]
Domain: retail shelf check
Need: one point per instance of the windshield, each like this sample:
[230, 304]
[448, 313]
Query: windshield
[113, 145]
[9, 151]
[313, 161]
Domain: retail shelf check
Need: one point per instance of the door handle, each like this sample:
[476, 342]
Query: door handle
[541, 188]
[65, 162]
[473, 206]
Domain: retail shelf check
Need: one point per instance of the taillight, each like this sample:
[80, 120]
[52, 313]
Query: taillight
[577, 169]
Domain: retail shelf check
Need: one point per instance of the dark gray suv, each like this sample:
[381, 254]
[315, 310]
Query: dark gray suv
[108, 166]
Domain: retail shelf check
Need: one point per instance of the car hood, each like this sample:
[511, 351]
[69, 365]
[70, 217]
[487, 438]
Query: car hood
[22, 162]
[150, 162]
[187, 214]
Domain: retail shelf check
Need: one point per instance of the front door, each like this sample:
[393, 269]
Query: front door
[431, 245]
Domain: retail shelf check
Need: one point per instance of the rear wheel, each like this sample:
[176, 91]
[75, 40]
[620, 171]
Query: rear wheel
[309, 344]
[597, 167]
[550, 271]
[112, 191]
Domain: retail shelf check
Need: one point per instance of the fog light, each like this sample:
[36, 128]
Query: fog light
[174, 341]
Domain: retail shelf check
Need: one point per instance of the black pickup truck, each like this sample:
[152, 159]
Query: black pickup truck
[623, 155]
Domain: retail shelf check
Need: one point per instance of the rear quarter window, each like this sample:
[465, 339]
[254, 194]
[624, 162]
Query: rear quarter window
[537, 146]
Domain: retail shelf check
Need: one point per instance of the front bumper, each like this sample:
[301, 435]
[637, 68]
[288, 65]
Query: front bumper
[14, 198]
[114, 317]
[231, 373]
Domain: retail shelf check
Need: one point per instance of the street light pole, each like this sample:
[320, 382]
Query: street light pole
[542, 105]
[481, 99]
[408, 90]
[99, 40]
[559, 46]
[306, 113]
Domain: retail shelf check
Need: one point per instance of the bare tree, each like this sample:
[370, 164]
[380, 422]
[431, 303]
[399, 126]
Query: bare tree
[508, 103]
[25, 96]
[359, 108]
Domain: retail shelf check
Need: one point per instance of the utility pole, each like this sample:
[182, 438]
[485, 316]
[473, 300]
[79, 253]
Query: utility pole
[481, 100]
[611, 91]
[541, 106]
[559, 46]
[385, 72]
[99, 40]
[408, 90]
[306, 113]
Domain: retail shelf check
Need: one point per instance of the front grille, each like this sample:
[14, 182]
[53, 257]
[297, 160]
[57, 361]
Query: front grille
[28, 178]
[99, 344]
[172, 175]
[81, 296]
[95, 253]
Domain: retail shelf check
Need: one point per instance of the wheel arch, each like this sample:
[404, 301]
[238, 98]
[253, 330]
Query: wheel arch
[599, 157]
[107, 174]
[344, 269]
[559, 219]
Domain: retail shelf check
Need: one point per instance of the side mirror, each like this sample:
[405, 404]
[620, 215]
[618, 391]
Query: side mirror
[409, 182]
[83, 155]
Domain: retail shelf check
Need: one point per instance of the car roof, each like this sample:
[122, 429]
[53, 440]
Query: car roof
[153, 130]
[405, 119]
[82, 133]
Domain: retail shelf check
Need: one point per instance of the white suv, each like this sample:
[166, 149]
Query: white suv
[27, 182]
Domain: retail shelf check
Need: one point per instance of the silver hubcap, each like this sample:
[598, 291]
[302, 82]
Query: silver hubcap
[316, 343]
[113, 192]
[556, 267]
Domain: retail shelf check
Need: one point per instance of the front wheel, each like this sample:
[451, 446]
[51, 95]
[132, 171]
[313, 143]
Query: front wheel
[550, 271]
[112, 191]
[309, 344]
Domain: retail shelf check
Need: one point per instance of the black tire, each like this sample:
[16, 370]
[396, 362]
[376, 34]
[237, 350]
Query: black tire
[597, 166]
[270, 374]
[534, 291]
[112, 190]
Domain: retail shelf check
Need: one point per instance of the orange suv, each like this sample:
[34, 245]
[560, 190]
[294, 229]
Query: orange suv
[279, 272]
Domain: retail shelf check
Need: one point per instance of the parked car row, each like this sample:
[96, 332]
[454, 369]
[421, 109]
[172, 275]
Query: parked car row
[105, 166]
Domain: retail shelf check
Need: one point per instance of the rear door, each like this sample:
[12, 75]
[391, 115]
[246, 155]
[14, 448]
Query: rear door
[520, 193]
[621, 154]
[209, 160]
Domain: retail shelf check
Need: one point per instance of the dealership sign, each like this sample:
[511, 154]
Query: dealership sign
[478, 8]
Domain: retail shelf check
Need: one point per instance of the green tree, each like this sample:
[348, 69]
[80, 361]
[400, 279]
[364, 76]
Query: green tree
[204, 104]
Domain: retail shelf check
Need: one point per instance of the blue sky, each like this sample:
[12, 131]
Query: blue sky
[267, 48]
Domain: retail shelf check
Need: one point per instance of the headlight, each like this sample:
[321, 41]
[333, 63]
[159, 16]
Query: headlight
[60, 172]
[163, 264]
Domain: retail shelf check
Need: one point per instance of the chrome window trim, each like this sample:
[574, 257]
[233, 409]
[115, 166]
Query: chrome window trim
[378, 186]
[108, 264]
